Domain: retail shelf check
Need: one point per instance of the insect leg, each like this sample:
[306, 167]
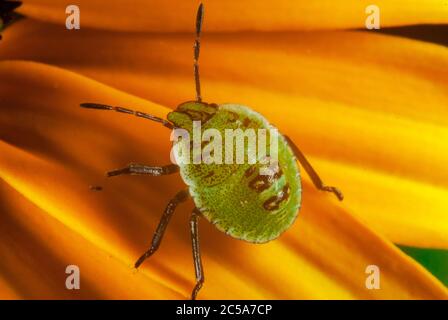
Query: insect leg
[140, 114]
[197, 48]
[135, 169]
[317, 181]
[196, 253]
[158, 235]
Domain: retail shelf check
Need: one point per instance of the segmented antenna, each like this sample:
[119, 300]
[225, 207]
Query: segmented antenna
[140, 114]
[197, 48]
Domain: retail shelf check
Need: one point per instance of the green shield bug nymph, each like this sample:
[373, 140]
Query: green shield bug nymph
[238, 198]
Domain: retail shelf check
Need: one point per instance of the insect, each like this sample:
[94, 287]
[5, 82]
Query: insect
[236, 198]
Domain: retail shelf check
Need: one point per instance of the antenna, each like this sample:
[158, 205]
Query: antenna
[197, 48]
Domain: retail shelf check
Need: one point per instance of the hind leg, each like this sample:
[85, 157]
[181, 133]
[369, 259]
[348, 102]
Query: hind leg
[196, 253]
[158, 235]
[317, 181]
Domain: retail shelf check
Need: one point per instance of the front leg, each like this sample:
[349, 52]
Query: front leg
[317, 181]
[140, 169]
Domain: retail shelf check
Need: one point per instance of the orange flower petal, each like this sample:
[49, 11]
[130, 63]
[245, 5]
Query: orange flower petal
[177, 15]
[378, 103]
[52, 150]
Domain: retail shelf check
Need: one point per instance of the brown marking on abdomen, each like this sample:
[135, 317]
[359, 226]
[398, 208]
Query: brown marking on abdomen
[273, 203]
[210, 174]
[250, 171]
[263, 182]
[234, 116]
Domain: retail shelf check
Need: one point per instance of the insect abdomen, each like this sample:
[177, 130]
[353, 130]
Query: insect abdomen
[243, 203]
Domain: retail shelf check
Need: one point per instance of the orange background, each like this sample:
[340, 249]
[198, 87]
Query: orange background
[369, 110]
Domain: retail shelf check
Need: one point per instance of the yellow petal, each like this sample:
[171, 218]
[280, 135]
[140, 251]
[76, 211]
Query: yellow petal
[37, 247]
[178, 15]
[369, 110]
[53, 150]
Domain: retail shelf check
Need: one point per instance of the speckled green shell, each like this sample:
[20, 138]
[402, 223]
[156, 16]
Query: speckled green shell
[235, 197]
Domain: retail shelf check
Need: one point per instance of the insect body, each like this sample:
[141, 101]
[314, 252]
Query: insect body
[236, 197]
